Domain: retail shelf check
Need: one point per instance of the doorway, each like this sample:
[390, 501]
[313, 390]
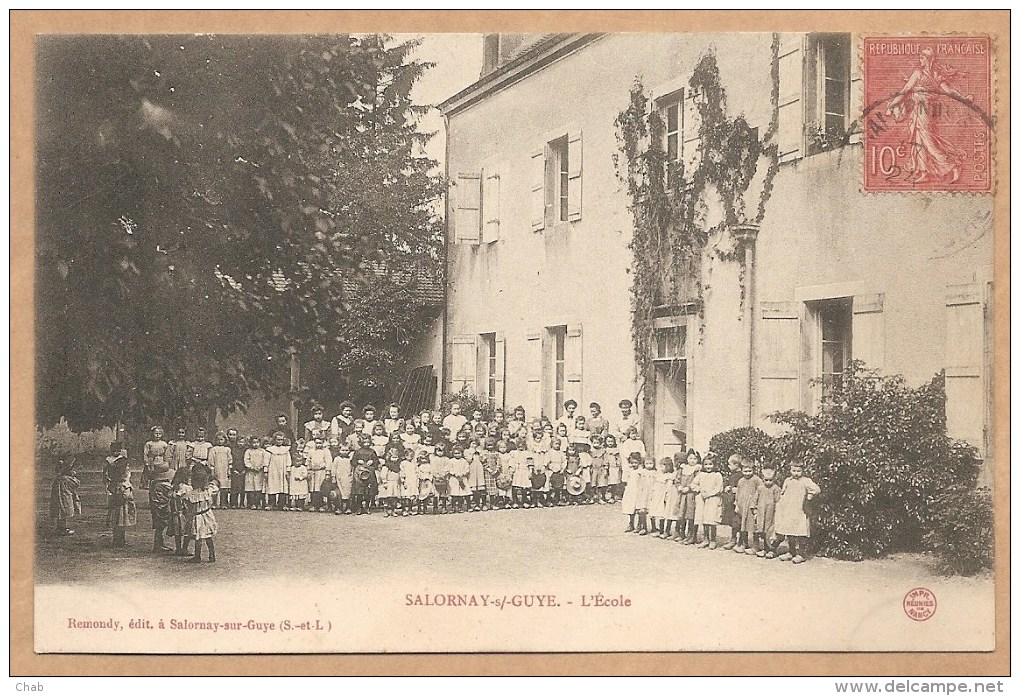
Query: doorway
[670, 408]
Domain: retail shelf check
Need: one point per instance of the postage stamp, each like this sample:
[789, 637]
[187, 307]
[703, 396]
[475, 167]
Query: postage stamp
[927, 106]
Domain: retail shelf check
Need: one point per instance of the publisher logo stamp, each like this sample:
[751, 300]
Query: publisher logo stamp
[919, 604]
[927, 101]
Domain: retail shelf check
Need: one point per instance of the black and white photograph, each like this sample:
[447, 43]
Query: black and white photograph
[515, 342]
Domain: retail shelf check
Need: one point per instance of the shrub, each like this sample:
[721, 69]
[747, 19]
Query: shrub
[469, 401]
[60, 440]
[880, 453]
[963, 535]
[751, 442]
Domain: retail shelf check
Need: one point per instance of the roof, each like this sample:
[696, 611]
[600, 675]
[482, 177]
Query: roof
[423, 284]
[529, 60]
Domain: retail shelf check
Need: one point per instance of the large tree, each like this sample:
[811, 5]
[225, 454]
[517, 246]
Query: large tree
[207, 203]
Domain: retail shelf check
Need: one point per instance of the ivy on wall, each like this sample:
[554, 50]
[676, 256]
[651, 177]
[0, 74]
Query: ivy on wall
[684, 218]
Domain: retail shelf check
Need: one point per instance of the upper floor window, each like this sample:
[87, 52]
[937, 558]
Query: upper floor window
[476, 206]
[681, 135]
[556, 182]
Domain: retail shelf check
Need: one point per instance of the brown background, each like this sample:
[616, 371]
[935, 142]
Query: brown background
[25, 24]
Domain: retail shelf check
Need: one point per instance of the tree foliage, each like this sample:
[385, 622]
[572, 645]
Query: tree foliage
[207, 203]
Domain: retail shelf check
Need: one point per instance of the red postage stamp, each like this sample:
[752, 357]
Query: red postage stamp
[927, 113]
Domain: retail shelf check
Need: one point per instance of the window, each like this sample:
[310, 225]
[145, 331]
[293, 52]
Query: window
[835, 318]
[834, 79]
[488, 357]
[671, 343]
[476, 209]
[558, 341]
[556, 182]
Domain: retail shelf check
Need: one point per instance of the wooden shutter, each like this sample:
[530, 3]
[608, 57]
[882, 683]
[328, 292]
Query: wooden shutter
[537, 175]
[690, 133]
[533, 360]
[572, 364]
[965, 379]
[462, 368]
[790, 137]
[868, 331]
[467, 222]
[490, 206]
[574, 160]
[500, 390]
[779, 357]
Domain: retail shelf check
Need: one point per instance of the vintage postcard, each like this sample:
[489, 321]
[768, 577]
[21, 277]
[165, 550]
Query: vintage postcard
[636, 340]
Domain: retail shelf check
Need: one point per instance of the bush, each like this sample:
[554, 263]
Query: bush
[880, 453]
[60, 441]
[469, 401]
[963, 536]
[751, 442]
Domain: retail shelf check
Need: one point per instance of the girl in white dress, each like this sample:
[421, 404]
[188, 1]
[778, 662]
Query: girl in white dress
[276, 471]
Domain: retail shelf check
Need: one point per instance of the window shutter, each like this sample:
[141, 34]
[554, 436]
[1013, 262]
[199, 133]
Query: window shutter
[533, 358]
[868, 332]
[537, 190]
[791, 103]
[574, 155]
[467, 224]
[691, 133]
[965, 382]
[490, 207]
[572, 363]
[779, 357]
[500, 390]
[464, 354]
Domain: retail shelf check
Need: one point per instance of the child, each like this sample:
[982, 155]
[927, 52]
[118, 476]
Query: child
[632, 443]
[153, 454]
[687, 530]
[490, 470]
[160, 490]
[408, 483]
[522, 464]
[342, 474]
[238, 470]
[539, 479]
[427, 444]
[202, 522]
[379, 439]
[671, 504]
[643, 502]
[614, 483]
[731, 477]
[318, 459]
[765, 514]
[708, 484]
[65, 504]
[744, 504]
[476, 477]
[177, 451]
[426, 489]
[121, 512]
[657, 497]
[537, 441]
[276, 468]
[297, 480]
[518, 422]
[318, 425]
[341, 427]
[410, 437]
[459, 471]
[597, 424]
[572, 470]
[556, 463]
[220, 459]
[177, 523]
[791, 518]
[504, 479]
[201, 446]
[368, 420]
[599, 468]
[365, 486]
[456, 420]
[389, 489]
[476, 419]
[626, 421]
[440, 480]
[585, 472]
[255, 459]
[580, 438]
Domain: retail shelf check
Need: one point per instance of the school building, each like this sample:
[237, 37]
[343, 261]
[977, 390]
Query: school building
[538, 304]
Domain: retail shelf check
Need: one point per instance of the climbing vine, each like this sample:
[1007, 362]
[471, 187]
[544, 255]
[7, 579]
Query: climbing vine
[682, 215]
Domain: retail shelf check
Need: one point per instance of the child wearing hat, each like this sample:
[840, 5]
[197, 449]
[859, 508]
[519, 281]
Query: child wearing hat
[65, 505]
[201, 520]
[121, 512]
[791, 517]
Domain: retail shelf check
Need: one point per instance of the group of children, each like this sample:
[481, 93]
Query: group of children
[432, 463]
[673, 502]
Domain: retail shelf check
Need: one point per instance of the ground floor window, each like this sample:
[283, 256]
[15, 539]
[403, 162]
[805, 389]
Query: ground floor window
[557, 368]
[835, 319]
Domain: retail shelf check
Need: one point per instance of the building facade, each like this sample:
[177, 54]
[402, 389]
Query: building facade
[539, 265]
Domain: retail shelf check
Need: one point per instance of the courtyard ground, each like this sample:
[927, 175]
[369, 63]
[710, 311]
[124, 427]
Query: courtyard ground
[711, 599]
